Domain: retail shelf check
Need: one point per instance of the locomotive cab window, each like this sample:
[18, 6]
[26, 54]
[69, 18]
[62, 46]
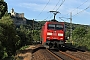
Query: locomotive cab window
[55, 26]
[59, 27]
[51, 26]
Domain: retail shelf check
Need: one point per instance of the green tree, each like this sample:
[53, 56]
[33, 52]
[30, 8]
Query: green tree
[25, 35]
[3, 8]
[87, 39]
[79, 35]
[36, 36]
[8, 37]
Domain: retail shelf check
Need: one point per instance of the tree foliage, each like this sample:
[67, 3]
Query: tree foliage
[36, 36]
[8, 37]
[25, 35]
[3, 8]
[81, 36]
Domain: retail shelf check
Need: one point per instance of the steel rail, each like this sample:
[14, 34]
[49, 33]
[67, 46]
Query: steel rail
[72, 57]
[54, 55]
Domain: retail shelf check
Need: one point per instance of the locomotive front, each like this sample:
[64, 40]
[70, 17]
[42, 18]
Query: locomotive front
[54, 34]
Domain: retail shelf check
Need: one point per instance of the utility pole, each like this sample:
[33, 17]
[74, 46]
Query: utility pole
[33, 27]
[71, 27]
[55, 13]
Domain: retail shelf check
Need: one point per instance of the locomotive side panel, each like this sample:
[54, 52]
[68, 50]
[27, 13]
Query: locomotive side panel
[44, 34]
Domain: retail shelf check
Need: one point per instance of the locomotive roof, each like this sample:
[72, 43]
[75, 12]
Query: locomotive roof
[54, 22]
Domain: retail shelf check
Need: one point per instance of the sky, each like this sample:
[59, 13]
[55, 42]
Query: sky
[39, 10]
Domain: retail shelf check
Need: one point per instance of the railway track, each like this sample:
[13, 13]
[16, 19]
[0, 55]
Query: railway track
[56, 56]
[62, 55]
[41, 53]
[79, 54]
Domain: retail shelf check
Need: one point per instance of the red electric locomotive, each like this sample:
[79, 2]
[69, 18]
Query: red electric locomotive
[53, 34]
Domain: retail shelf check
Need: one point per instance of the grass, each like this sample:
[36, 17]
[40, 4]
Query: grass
[24, 47]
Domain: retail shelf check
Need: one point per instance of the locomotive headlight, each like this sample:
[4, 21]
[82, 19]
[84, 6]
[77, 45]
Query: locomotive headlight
[49, 33]
[59, 34]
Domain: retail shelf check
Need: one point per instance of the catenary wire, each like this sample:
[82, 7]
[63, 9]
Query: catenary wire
[53, 9]
[79, 6]
[59, 5]
[82, 10]
[43, 8]
[56, 4]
